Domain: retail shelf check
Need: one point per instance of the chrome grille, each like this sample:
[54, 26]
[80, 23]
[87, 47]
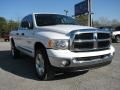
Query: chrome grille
[92, 40]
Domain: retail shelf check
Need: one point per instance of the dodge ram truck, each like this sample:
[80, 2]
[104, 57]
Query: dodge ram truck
[58, 42]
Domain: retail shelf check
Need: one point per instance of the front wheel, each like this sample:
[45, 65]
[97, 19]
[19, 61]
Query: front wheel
[42, 66]
[117, 38]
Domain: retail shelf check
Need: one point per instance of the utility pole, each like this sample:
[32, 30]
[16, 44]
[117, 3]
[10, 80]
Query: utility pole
[66, 12]
[89, 13]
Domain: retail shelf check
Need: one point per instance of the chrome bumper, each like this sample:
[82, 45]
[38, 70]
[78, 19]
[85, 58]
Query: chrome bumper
[85, 64]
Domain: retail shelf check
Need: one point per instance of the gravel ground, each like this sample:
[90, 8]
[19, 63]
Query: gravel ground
[18, 74]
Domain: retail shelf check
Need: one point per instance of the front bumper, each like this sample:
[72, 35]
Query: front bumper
[80, 60]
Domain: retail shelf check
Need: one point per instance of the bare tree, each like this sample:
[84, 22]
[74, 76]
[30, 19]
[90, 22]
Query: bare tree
[103, 22]
[115, 23]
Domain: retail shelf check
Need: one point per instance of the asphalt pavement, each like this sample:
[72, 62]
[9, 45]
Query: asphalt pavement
[18, 74]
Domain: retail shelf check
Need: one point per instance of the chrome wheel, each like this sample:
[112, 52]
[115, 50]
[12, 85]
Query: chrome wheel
[39, 63]
[42, 66]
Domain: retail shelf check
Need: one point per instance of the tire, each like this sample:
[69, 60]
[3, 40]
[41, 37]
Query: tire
[117, 38]
[42, 66]
[5, 40]
[15, 53]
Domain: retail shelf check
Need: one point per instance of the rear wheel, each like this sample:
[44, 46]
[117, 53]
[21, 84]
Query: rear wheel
[42, 66]
[15, 53]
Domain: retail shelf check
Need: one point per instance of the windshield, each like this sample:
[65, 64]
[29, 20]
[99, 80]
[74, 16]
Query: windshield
[53, 19]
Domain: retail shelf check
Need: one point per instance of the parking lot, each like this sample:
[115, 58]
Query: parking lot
[18, 74]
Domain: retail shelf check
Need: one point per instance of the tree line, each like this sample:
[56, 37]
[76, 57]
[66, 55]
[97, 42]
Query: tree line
[101, 22]
[7, 25]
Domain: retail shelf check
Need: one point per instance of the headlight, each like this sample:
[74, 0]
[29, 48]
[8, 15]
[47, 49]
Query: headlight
[58, 44]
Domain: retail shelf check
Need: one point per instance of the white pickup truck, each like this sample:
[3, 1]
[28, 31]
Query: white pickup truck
[57, 42]
[116, 35]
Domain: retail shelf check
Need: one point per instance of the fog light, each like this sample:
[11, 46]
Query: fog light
[65, 63]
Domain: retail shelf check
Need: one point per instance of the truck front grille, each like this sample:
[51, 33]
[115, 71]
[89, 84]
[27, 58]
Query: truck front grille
[90, 41]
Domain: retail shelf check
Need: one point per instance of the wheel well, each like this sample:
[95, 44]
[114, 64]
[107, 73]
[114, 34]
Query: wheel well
[39, 46]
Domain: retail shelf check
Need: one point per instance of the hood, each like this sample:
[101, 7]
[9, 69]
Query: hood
[64, 29]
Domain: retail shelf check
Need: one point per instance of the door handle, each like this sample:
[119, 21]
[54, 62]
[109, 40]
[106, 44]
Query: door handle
[22, 34]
